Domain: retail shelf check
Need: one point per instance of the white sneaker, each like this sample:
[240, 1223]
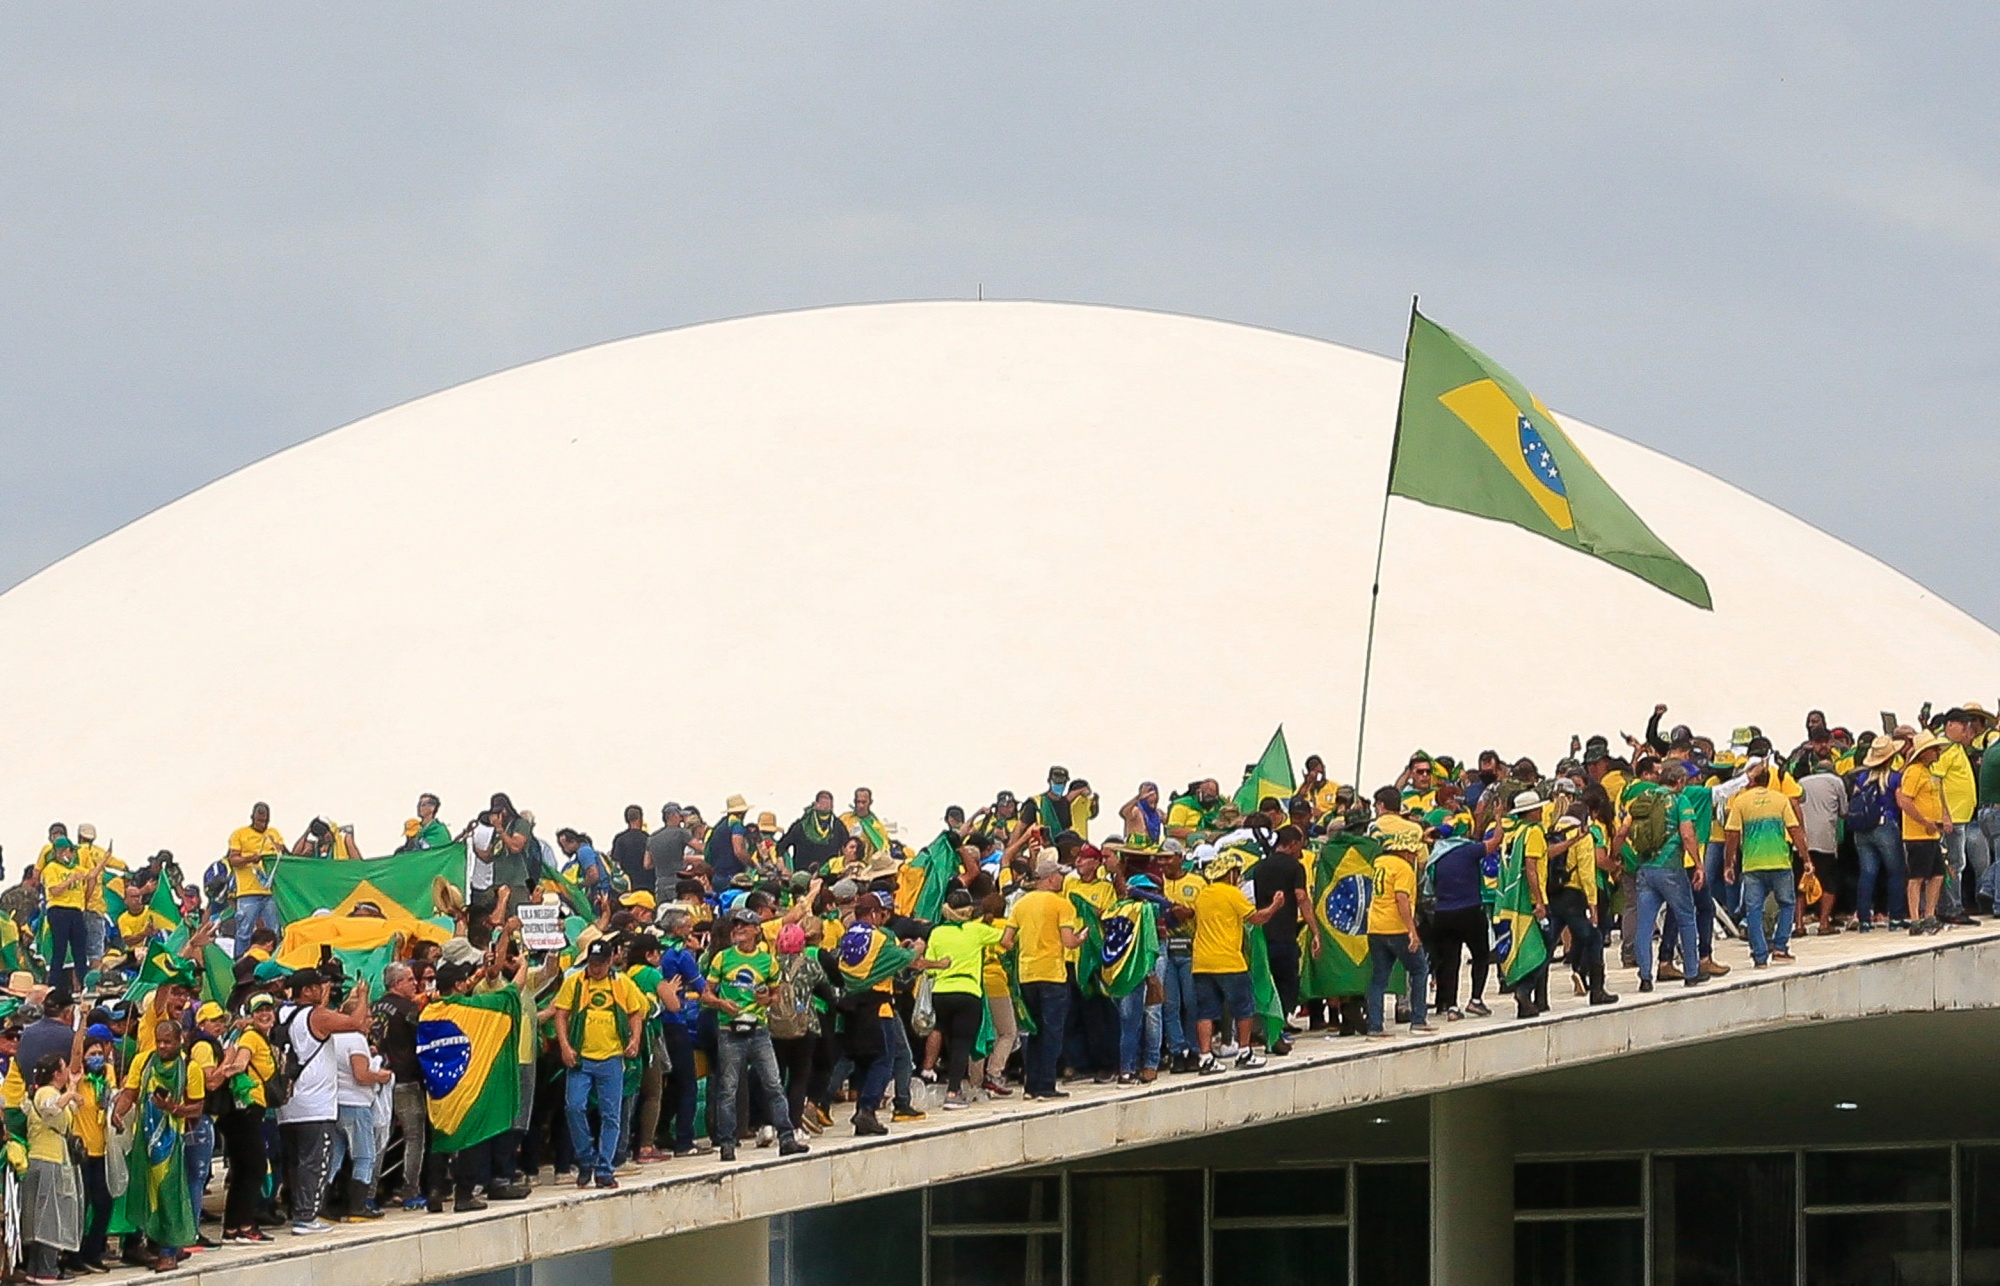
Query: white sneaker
[766, 1135]
[1250, 1058]
[1208, 1065]
[307, 1229]
[1227, 1051]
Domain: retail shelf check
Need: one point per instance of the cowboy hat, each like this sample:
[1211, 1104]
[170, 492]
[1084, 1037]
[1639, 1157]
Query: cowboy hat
[1925, 741]
[1880, 751]
[767, 821]
[735, 806]
[880, 865]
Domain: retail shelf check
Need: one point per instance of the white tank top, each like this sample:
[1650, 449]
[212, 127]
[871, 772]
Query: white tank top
[313, 1096]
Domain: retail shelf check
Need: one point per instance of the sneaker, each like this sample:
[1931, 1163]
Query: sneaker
[1250, 1058]
[1124, 1078]
[1227, 1051]
[1454, 1014]
[727, 1152]
[793, 1147]
[416, 1203]
[1478, 1009]
[908, 1112]
[1932, 924]
[1378, 1035]
[1864, 926]
[766, 1135]
[1695, 981]
[954, 1102]
[583, 1178]
[308, 1229]
[1917, 928]
[997, 1090]
[1208, 1065]
[607, 1180]
[1422, 1029]
[1645, 985]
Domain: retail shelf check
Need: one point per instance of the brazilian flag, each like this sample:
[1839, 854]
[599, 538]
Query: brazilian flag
[466, 1047]
[869, 957]
[1518, 945]
[166, 907]
[398, 885]
[1263, 991]
[1270, 777]
[926, 878]
[1469, 437]
[1341, 884]
[218, 975]
[578, 900]
[1126, 945]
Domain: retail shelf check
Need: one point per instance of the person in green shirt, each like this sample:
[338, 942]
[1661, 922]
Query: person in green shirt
[740, 979]
[1662, 877]
[1697, 809]
[958, 991]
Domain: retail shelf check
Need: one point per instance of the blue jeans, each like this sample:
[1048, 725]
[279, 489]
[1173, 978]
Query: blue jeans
[896, 1039]
[1980, 846]
[1756, 885]
[605, 1076]
[253, 909]
[356, 1138]
[198, 1150]
[68, 936]
[1704, 922]
[677, 1095]
[1664, 886]
[1881, 854]
[1138, 1032]
[1177, 972]
[1721, 892]
[1048, 1005]
[733, 1052]
[1385, 951]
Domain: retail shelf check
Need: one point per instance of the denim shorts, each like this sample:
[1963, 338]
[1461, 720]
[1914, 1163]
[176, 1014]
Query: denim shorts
[1212, 991]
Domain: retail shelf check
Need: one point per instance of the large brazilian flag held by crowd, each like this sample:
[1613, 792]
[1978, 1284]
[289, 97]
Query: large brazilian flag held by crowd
[466, 1047]
[1469, 437]
[402, 883]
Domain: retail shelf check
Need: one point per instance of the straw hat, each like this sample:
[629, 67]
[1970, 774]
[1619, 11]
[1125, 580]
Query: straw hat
[736, 806]
[1925, 741]
[1880, 751]
[767, 821]
[880, 865]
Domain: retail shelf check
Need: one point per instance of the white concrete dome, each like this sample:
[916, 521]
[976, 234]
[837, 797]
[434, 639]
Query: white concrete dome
[930, 548]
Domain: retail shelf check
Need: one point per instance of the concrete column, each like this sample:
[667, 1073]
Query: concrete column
[737, 1254]
[1472, 1189]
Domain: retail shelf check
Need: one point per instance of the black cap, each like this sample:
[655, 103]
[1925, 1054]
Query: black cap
[59, 997]
[600, 951]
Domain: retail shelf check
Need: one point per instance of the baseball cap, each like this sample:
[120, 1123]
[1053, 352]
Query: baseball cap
[600, 951]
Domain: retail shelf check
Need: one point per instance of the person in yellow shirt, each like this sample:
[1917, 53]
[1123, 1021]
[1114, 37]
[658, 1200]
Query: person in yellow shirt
[1570, 880]
[1221, 971]
[1925, 820]
[1392, 932]
[101, 864]
[64, 880]
[1046, 927]
[1181, 886]
[599, 1017]
[51, 1205]
[1960, 789]
[251, 849]
[242, 1127]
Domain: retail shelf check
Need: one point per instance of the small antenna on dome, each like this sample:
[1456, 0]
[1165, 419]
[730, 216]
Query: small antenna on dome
[979, 291]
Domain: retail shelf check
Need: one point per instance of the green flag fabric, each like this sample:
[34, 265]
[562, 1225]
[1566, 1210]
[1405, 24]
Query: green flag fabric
[304, 885]
[1270, 778]
[1518, 945]
[466, 1048]
[166, 906]
[1469, 437]
[926, 878]
[218, 975]
[1342, 883]
[1263, 992]
[572, 893]
[366, 964]
[1089, 956]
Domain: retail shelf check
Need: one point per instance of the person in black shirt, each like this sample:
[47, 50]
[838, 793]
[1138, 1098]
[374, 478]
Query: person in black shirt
[1282, 873]
[396, 1036]
[816, 838]
[628, 849]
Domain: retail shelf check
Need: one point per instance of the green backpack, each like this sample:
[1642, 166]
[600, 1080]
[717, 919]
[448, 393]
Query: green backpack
[1648, 813]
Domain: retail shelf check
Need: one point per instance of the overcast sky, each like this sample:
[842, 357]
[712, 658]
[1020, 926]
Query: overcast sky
[1763, 239]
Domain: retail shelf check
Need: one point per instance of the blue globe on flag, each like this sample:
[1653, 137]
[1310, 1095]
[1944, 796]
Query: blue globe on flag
[1118, 932]
[1346, 904]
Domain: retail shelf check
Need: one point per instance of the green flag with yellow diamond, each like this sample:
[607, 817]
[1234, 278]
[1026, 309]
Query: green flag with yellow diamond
[1470, 438]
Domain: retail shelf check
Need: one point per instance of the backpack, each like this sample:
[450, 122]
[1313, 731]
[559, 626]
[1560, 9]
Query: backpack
[278, 1090]
[215, 881]
[790, 1012]
[1648, 813]
[1864, 805]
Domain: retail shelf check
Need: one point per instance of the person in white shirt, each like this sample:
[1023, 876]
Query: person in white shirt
[358, 1070]
[308, 1119]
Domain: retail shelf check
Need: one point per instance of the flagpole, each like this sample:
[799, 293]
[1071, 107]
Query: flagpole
[1381, 543]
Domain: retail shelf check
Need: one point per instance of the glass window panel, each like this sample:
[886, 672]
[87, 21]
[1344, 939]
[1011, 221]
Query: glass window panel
[1723, 1220]
[1578, 1185]
[821, 1241]
[997, 1260]
[1884, 1177]
[1979, 1215]
[1392, 1224]
[1293, 1256]
[1541, 1254]
[1275, 1194]
[1002, 1201]
[1598, 1252]
[1143, 1228]
[1910, 1248]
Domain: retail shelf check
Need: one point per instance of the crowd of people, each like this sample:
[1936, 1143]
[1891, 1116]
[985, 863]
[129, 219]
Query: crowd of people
[748, 982]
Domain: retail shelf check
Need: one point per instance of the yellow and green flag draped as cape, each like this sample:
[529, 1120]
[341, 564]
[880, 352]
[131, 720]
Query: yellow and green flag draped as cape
[157, 1200]
[1123, 945]
[398, 884]
[466, 1047]
[1341, 883]
[1518, 945]
[1469, 437]
[869, 956]
[1270, 778]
